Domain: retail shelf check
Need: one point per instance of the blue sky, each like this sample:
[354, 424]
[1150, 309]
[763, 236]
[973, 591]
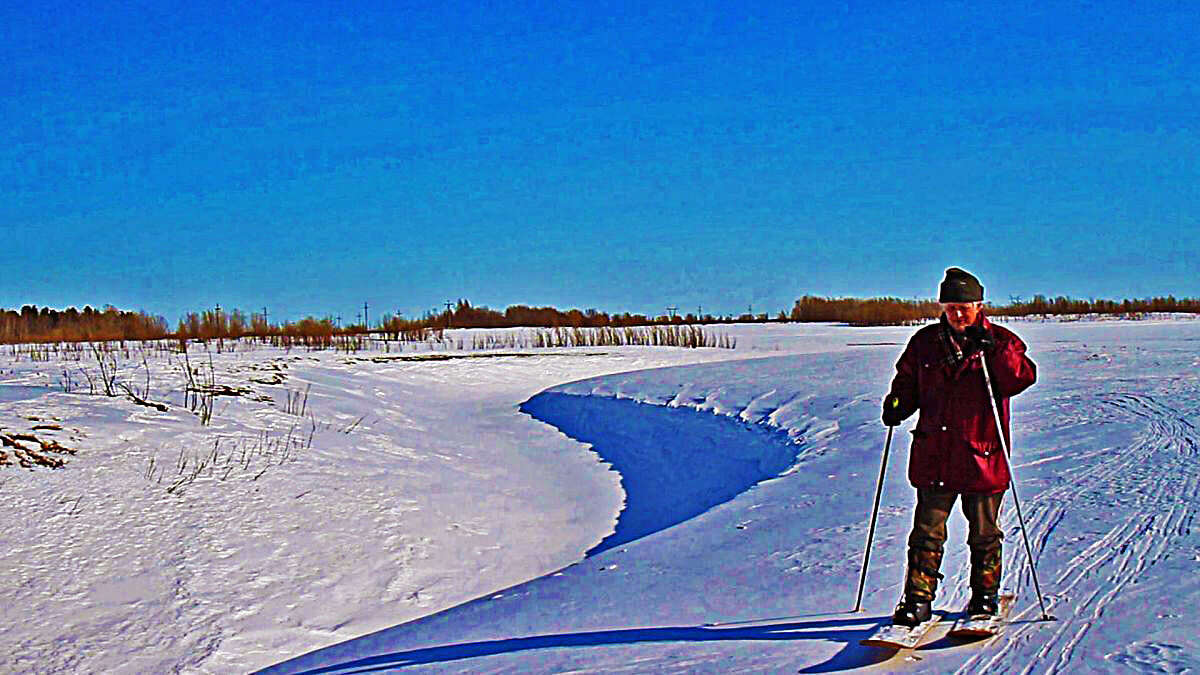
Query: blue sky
[624, 156]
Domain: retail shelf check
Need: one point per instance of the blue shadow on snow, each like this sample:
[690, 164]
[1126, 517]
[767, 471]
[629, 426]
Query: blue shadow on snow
[674, 463]
[21, 392]
[843, 630]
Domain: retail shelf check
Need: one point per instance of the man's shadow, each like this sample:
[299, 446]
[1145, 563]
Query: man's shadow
[845, 630]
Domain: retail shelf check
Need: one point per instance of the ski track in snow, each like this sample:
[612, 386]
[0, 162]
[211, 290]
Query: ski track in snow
[1146, 493]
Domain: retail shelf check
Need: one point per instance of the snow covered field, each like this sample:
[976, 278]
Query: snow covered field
[396, 512]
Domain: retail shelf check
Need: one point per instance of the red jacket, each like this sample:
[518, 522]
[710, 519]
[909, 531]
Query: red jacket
[955, 446]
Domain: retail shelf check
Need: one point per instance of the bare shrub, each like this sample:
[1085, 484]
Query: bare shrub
[297, 401]
[199, 391]
[106, 360]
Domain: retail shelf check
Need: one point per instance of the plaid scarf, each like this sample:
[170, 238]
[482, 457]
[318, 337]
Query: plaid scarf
[953, 351]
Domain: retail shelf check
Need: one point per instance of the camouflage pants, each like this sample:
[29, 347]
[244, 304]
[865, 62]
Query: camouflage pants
[929, 535]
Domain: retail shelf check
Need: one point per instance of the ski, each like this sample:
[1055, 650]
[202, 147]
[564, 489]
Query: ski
[893, 636]
[984, 626]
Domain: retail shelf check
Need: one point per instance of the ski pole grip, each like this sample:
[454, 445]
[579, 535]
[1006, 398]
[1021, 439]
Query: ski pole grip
[891, 410]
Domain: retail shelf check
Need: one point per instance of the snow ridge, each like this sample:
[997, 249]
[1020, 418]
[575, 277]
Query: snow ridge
[674, 464]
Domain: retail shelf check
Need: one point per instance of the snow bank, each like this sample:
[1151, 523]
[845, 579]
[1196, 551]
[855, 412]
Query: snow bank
[674, 463]
[335, 495]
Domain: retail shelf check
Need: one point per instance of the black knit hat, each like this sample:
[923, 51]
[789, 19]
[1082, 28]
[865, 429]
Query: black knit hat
[960, 286]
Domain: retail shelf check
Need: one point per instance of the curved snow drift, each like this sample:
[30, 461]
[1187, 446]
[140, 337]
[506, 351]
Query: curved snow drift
[674, 463]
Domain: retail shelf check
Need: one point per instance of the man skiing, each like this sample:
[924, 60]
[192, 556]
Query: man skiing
[956, 450]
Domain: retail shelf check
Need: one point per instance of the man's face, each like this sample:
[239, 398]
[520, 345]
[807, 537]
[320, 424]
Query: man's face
[961, 314]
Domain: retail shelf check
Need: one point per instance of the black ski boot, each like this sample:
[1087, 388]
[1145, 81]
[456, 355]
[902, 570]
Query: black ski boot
[911, 612]
[983, 603]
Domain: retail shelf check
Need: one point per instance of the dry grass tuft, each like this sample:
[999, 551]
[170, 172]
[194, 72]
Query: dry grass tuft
[27, 457]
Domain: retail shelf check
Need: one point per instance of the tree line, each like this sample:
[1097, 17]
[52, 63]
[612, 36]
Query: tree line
[34, 324]
[1061, 305]
[883, 311]
[887, 311]
[43, 324]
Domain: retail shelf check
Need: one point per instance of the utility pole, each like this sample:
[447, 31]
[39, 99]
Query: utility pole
[671, 311]
[366, 319]
[449, 315]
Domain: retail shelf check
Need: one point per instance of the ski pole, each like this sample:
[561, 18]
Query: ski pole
[887, 446]
[1012, 483]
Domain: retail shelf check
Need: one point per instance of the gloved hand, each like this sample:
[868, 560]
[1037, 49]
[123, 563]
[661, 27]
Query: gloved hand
[980, 339]
[891, 410]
